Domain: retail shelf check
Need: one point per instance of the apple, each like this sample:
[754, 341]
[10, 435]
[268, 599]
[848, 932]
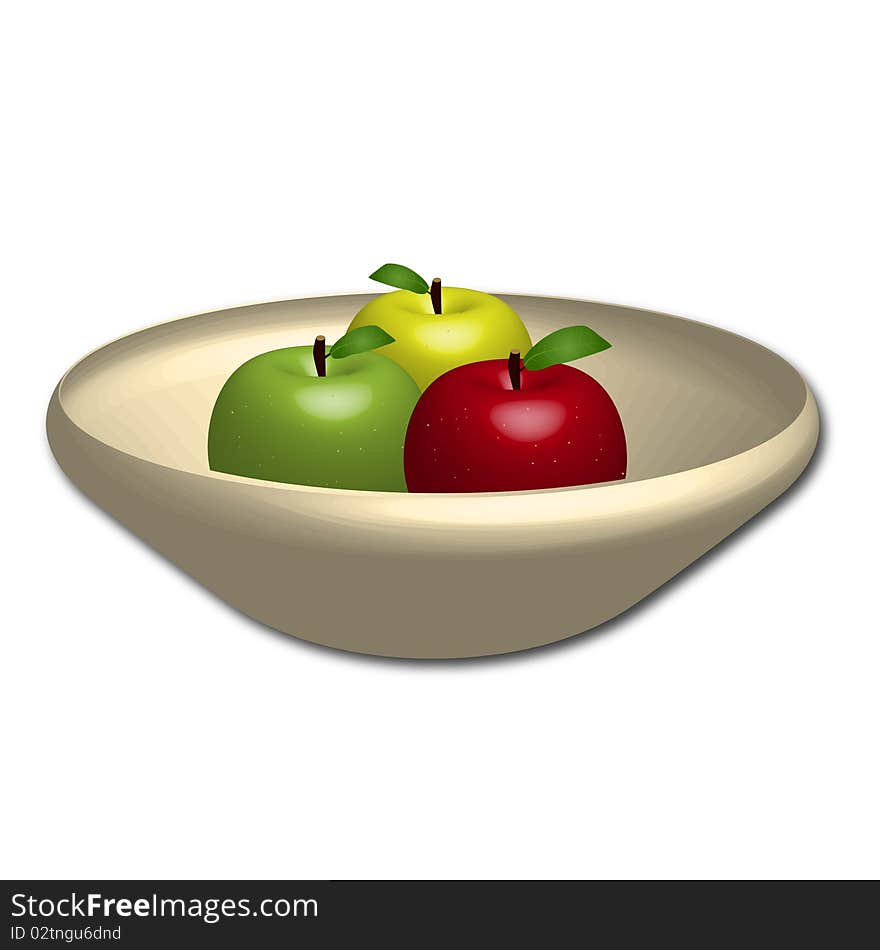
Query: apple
[517, 424]
[295, 415]
[437, 328]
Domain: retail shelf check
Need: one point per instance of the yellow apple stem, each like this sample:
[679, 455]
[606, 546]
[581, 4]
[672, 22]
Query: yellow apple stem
[513, 368]
[435, 296]
[319, 352]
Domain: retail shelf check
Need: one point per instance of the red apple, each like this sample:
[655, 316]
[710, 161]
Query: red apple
[515, 425]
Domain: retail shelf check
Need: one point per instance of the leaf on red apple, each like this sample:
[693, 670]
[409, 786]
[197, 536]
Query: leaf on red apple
[396, 275]
[361, 340]
[563, 346]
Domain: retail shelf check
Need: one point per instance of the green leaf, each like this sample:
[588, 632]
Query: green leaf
[396, 275]
[563, 346]
[360, 340]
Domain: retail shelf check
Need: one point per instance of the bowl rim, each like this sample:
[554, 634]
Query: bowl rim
[808, 407]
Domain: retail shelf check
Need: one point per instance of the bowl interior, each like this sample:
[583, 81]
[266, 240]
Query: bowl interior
[688, 394]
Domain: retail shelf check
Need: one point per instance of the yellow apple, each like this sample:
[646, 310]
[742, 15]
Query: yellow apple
[470, 326]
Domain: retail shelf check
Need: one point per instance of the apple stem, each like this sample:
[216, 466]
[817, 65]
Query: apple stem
[513, 368]
[436, 303]
[319, 352]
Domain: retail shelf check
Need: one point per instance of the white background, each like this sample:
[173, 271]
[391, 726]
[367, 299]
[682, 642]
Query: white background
[714, 160]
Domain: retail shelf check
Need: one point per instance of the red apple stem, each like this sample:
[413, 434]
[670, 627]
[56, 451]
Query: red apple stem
[513, 368]
[436, 302]
[319, 352]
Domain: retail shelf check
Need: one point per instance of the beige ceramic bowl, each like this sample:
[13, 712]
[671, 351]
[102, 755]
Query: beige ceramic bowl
[717, 427]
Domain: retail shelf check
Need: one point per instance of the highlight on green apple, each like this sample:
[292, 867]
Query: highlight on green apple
[333, 417]
[437, 328]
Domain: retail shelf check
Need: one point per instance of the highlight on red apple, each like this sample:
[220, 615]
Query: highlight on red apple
[517, 424]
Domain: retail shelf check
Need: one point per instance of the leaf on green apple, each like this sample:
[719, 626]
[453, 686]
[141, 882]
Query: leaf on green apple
[563, 346]
[361, 340]
[396, 275]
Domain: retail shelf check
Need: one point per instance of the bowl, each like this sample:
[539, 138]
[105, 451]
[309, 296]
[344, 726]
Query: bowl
[717, 427]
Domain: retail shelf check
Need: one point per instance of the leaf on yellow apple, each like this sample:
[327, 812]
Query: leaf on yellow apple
[396, 275]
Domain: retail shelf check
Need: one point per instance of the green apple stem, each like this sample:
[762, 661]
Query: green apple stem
[513, 368]
[436, 303]
[319, 352]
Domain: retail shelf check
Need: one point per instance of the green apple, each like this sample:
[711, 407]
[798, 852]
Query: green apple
[293, 415]
[439, 328]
